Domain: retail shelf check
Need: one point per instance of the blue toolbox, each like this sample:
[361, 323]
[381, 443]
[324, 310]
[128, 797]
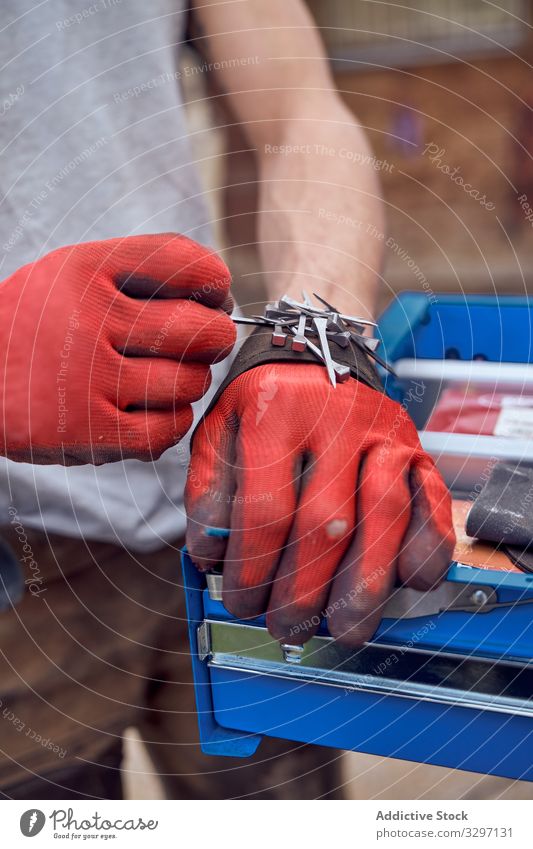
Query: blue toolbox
[448, 677]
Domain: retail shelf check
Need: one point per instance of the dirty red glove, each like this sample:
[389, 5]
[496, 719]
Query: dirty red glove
[106, 344]
[329, 497]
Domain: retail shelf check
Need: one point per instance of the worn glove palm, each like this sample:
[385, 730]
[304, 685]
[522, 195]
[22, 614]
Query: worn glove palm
[329, 496]
[105, 346]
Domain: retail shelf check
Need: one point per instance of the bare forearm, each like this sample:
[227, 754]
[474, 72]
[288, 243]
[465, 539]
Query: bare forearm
[321, 214]
[320, 221]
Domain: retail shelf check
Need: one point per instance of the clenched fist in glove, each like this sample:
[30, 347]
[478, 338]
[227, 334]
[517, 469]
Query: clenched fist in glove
[329, 497]
[106, 344]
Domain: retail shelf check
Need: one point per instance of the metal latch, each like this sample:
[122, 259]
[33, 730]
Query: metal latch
[408, 604]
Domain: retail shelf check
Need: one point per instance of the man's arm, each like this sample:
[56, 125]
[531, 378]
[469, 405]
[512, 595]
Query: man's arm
[320, 207]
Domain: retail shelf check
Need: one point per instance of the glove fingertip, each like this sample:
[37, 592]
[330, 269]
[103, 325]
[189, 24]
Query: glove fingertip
[429, 542]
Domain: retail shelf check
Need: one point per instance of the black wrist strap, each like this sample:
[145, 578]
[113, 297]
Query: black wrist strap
[258, 350]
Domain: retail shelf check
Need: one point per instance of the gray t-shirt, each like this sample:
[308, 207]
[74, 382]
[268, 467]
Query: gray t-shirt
[94, 145]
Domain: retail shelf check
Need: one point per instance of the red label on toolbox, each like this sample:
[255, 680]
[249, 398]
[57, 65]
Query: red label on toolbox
[465, 410]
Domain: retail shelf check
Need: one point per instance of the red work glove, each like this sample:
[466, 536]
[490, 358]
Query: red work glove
[106, 344]
[329, 497]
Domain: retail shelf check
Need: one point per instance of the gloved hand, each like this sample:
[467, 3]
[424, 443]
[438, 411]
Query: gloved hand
[329, 496]
[106, 344]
